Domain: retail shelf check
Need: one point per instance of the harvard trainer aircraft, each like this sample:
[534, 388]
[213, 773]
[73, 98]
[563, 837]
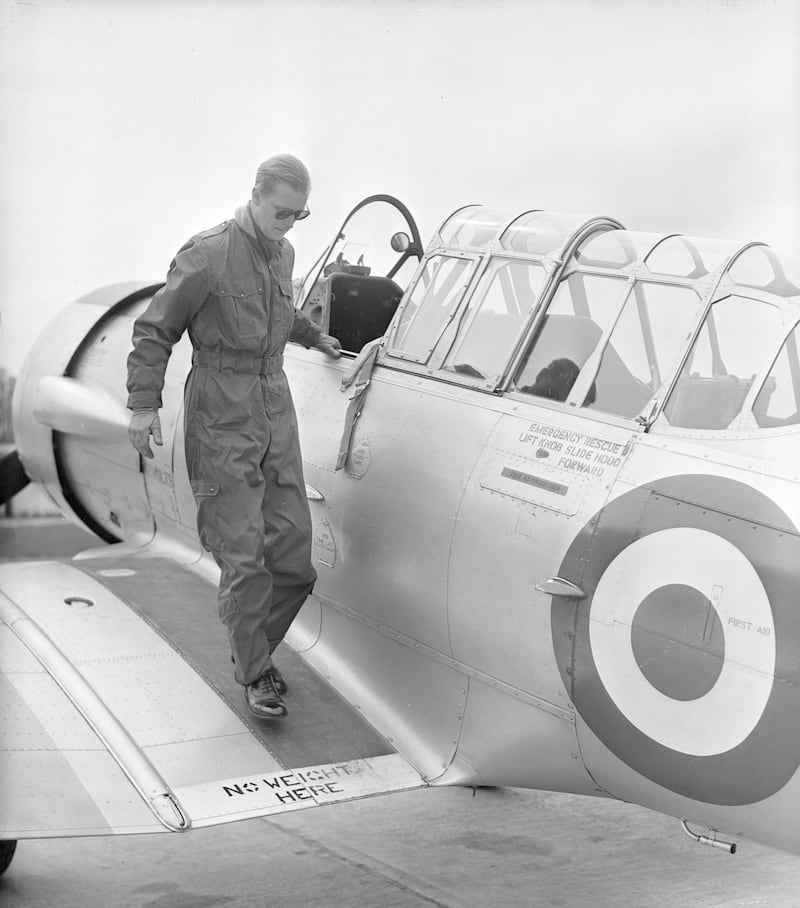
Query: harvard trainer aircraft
[555, 484]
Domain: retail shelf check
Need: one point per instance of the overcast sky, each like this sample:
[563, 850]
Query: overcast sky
[129, 125]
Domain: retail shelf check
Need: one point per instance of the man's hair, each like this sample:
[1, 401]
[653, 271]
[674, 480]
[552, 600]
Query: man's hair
[282, 168]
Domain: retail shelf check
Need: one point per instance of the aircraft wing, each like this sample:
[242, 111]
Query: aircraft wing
[119, 713]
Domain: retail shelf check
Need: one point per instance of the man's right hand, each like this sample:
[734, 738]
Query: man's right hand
[145, 423]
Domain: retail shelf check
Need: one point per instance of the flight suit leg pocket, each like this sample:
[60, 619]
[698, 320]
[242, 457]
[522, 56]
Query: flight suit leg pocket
[206, 494]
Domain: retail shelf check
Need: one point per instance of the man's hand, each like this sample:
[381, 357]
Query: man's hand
[143, 424]
[330, 346]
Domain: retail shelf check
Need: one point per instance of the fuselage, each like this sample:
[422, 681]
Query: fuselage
[589, 589]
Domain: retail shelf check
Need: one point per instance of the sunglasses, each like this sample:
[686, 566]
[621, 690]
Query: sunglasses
[282, 213]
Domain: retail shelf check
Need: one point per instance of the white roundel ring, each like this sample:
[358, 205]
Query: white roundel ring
[681, 660]
[722, 718]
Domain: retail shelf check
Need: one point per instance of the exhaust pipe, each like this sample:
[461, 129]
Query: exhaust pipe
[730, 847]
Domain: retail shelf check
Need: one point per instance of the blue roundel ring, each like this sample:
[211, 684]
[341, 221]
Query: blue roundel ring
[767, 758]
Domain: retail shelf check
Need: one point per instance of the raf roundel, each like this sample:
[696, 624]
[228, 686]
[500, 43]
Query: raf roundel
[680, 660]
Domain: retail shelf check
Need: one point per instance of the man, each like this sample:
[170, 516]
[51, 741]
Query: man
[231, 288]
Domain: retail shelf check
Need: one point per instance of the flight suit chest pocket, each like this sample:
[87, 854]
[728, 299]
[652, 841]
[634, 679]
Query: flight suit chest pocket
[241, 307]
[286, 288]
[283, 310]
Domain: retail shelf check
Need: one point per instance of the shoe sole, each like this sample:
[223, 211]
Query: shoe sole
[281, 711]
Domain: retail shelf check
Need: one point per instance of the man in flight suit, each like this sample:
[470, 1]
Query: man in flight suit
[231, 288]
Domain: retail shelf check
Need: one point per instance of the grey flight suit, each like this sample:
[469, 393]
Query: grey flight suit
[230, 287]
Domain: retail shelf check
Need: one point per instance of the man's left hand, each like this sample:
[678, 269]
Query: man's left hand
[330, 346]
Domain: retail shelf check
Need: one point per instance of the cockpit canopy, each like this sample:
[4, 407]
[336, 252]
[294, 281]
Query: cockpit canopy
[580, 312]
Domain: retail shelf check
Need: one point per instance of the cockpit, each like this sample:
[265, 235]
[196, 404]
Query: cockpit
[579, 312]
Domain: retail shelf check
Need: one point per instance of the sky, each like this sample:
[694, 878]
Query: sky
[129, 125]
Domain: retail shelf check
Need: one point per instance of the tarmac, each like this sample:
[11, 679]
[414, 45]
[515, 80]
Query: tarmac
[447, 847]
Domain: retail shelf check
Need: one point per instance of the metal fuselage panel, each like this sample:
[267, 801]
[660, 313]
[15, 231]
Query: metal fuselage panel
[639, 523]
[428, 556]
[685, 672]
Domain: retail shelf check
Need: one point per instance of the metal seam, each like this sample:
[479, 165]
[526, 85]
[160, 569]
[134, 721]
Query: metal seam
[466, 670]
